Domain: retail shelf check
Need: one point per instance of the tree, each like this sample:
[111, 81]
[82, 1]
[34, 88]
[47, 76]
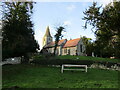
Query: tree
[58, 35]
[107, 27]
[88, 44]
[18, 34]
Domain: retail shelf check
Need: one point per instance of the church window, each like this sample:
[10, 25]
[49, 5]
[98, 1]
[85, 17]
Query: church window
[68, 51]
[80, 48]
[65, 50]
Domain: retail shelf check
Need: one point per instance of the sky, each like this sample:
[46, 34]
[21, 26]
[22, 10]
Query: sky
[69, 14]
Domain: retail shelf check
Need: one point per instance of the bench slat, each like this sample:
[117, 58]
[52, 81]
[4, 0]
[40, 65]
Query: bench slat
[73, 69]
[69, 65]
[75, 65]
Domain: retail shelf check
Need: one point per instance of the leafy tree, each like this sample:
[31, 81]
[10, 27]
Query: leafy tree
[58, 35]
[107, 27]
[88, 44]
[18, 34]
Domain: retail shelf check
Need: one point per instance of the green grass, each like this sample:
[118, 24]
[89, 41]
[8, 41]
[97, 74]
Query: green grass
[87, 58]
[29, 76]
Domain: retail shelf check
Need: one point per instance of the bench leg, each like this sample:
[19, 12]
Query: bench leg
[86, 69]
[62, 69]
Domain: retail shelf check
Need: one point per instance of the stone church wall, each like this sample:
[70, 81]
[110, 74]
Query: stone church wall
[69, 51]
[77, 50]
[80, 48]
[58, 50]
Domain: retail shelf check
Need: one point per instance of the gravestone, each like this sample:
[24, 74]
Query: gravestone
[93, 54]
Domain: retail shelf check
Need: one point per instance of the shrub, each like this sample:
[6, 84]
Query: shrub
[50, 60]
[43, 60]
[38, 57]
[61, 61]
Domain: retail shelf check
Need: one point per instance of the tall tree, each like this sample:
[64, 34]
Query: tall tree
[88, 44]
[58, 35]
[18, 34]
[107, 27]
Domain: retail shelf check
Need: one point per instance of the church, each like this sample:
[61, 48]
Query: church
[65, 47]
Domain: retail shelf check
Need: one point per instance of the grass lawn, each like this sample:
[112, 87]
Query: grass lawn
[29, 76]
[87, 58]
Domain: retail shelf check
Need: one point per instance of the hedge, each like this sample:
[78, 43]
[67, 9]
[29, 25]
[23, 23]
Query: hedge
[69, 61]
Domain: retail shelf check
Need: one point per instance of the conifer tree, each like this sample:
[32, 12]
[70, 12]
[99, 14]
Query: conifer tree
[18, 34]
[107, 27]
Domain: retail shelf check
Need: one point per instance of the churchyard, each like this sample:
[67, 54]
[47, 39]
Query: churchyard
[87, 58]
[20, 35]
[48, 76]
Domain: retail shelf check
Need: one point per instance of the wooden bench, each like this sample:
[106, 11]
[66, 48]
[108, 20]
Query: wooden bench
[68, 65]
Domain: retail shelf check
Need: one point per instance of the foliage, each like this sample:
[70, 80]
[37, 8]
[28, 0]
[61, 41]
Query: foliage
[30, 76]
[82, 60]
[58, 35]
[107, 28]
[62, 61]
[88, 44]
[43, 56]
[18, 34]
[37, 57]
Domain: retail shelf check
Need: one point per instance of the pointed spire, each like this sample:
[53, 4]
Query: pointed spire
[48, 32]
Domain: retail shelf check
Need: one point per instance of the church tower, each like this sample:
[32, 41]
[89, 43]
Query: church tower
[47, 37]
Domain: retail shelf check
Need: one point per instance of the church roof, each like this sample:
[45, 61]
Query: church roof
[72, 43]
[48, 32]
[53, 43]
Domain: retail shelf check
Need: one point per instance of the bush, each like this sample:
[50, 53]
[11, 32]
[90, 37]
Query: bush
[61, 61]
[38, 57]
[43, 60]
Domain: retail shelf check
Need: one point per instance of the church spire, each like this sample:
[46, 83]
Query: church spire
[47, 37]
[47, 34]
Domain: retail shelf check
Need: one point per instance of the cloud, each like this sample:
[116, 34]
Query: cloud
[71, 7]
[67, 22]
[103, 2]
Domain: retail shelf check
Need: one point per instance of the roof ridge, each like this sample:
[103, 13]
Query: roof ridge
[71, 43]
[60, 40]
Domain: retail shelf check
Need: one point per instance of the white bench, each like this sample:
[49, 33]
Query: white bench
[68, 65]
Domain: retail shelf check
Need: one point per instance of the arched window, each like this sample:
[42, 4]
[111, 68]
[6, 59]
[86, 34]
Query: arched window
[68, 51]
[80, 48]
[65, 50]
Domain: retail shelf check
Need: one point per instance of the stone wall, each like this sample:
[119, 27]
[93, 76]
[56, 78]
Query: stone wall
[79, 52]
[74, 50]
[51, 50]
[58, 50]
[102, 66]
[69, 51]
